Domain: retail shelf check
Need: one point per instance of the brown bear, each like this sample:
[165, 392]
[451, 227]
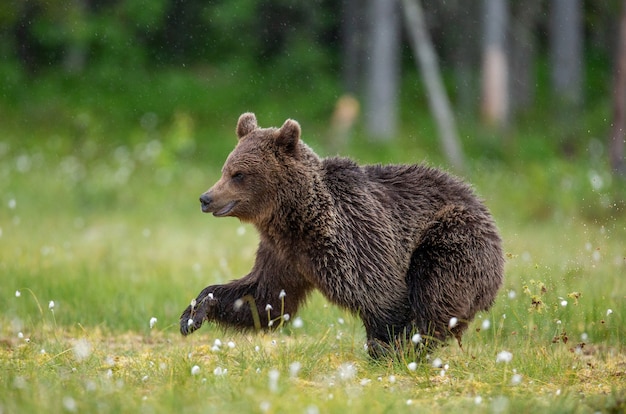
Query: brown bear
[408, 248]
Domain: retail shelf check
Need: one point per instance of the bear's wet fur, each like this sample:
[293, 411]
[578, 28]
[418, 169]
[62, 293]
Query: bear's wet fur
[408, 248]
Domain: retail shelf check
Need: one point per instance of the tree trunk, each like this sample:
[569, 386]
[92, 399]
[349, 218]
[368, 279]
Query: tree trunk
[437, 97]
[616, 140]
[524, 16]
[495, 104]
[352, 45]
[383, 70]
[566, 36]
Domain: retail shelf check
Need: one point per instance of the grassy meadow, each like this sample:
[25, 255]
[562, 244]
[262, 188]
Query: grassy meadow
[102, 245]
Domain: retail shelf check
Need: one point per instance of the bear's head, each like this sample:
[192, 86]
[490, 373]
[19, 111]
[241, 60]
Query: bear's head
[267, 166]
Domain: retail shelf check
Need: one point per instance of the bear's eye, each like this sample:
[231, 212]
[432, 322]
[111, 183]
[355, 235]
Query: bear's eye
[238, 176]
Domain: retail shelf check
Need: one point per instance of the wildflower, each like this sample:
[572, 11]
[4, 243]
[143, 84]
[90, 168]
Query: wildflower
[20, 335]
[189, 322]
[564, 303]
[516, 379]
[412, 366]
[144, 378]
[512, 294]
[18, 293]
[268, 307]
[219, 371]
[193, 303]
[347, 371]
[69, 403]
[340, 321]
[294, 369]
[297, 323]
[195, 370]
[609, 311]
[584, 337]
[273, 380]
[282, 294]
[231, 344]
[504, 356]
[486, 324]
[153, 322]
[286, 317]
[478, 400]
[453, 322]
[392, 379]
[437, 363]
[51, 305]
[210, 296]
[416, 339]
[82, 349]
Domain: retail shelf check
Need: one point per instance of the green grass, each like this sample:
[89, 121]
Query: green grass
[99, 214]
[117, 239]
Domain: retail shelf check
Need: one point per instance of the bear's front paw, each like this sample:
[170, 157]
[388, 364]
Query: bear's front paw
[196, 313]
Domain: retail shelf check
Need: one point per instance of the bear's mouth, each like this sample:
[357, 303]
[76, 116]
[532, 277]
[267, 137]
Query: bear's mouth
[225, 210]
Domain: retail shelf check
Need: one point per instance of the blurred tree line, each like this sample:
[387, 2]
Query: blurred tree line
[493, 53]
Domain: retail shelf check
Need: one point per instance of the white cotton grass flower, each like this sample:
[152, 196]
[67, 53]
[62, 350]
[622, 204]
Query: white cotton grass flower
[219, 371]
[478, 400]
[282, 294]
[268, 307]
[512, 294]
[69, 404]
[346, 371]
[609, 311]
[453, 322]
[51, 305]
[153, 322]
[563, 303]
[273, 376]
[485, 325]
[82, 349]
[294, 369]
[18, 293]
[193, 303]
[231, 344]
[189, 322]
[195, 370]
[20, 335]
[297, 322]
[516, 379]
[412, 366]
[416, 339]
[504, 356]
[437, 363]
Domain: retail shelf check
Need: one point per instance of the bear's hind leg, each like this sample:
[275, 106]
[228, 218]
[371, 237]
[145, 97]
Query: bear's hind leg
[454, 272]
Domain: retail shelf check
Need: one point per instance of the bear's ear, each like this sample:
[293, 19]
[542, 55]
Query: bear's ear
[246, 124]
[288, 135]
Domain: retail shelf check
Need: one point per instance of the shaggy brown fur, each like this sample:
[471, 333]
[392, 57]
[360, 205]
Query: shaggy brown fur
[406, 247]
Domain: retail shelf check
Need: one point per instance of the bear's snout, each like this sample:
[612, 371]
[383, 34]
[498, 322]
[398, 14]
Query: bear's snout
[205, 202]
